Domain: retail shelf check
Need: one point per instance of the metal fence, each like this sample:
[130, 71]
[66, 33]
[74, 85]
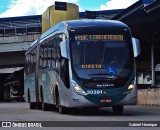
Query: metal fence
[20, 26]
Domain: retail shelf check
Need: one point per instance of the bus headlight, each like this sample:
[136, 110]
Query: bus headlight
[131, 86]
[129, 89]
[78, 89]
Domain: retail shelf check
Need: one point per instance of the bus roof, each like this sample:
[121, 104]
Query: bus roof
[72, 24]
[94, 22]
[75, 24]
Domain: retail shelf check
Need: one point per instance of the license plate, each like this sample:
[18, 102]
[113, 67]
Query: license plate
[105, 100]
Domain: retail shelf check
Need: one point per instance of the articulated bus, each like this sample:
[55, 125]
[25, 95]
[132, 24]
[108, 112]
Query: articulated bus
[82, 64]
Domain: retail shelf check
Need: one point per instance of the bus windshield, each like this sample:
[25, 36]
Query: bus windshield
[100, 56]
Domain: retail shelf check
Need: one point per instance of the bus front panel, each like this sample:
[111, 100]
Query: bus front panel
[103, 69]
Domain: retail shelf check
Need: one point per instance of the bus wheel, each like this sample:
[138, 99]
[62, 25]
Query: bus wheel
[61, 109]
[44, 105]
[31, 104]
[117, 109]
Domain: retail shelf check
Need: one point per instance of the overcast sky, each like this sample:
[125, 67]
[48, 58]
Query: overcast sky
[12, 8]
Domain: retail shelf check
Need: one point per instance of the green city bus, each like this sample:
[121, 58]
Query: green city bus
[82, 64]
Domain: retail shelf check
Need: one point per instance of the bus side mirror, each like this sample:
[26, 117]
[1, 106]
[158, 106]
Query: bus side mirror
[64, 49]
[136, 47]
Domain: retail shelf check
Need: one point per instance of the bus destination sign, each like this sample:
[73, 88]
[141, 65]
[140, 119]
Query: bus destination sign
[99, 37]
[91, 66]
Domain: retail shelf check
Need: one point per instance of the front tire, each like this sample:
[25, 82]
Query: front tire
[61, 109]
[44, 107]
[117, 109]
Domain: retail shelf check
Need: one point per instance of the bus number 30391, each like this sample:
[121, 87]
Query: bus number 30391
[94, 92]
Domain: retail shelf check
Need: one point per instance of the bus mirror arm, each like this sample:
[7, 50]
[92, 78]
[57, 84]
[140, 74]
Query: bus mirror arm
[64, 49]
[136, 47]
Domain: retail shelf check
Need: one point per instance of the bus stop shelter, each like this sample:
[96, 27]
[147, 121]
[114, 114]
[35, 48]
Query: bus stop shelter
[143, 18]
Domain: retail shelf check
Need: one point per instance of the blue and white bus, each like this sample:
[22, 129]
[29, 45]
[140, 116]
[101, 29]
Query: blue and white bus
[82, 64]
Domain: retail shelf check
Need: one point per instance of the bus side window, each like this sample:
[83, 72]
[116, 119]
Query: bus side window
[57, 53]
[41, 57]
[49, 56]
[31, 61]
[53, 53]
[34, 59]
[45, 56]
[27, 65]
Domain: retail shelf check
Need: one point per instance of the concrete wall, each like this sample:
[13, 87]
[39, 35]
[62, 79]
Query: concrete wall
[22, 38]
[149, 96]
[10, 70]
[17, 43]
[12, 50]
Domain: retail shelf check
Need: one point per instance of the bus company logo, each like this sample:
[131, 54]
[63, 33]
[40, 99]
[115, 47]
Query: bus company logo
[6, 124]
[105, 85]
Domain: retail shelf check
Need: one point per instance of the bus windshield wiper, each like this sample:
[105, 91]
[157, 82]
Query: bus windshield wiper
[105, 76]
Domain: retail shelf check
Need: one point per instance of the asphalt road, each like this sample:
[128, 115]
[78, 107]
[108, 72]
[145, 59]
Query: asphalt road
[132, 114]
